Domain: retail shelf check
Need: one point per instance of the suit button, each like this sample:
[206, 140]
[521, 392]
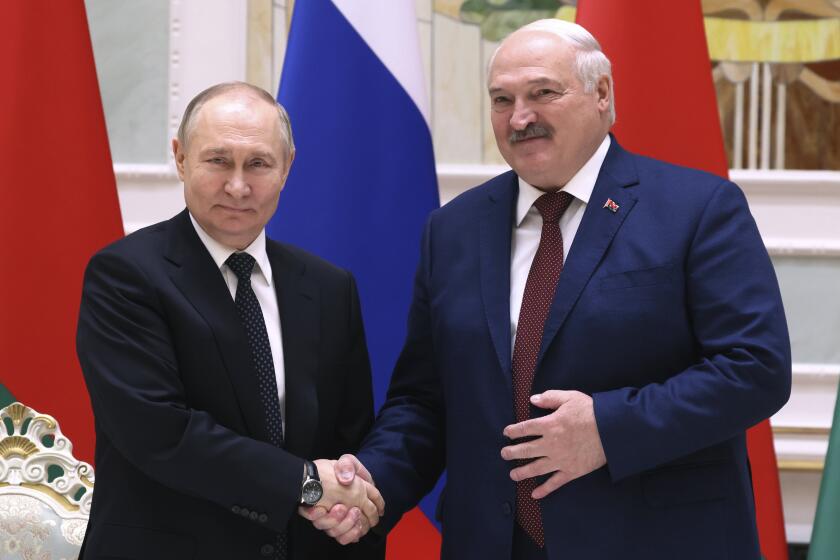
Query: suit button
[263, 518]
[254, 515]
[267, 550]
[244, 512]
[506, 509]
[235, 509]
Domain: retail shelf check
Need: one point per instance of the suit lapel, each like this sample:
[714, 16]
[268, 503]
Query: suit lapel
[494, 255]
[298, 302]
[597, 229]
[199, 280]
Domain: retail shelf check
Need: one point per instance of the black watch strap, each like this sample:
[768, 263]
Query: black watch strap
[311, 470]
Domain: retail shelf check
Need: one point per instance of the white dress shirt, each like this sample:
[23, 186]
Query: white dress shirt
[263, 285]
[527, 227]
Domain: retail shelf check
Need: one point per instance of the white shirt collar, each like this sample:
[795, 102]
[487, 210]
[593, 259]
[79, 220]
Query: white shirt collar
[580, 186]
[220, 252]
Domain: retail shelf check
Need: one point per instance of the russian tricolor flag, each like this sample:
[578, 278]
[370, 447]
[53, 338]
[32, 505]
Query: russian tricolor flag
[363, 180]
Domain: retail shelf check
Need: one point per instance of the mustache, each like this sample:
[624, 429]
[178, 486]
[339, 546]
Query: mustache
[531, 131]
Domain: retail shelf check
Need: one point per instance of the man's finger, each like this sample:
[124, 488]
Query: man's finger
[554, 482]
[370, 513]
[525, 450]
[532, 427]
[534, 468]
[346, 524]
[354, 534]
[337, 514]
[348, 467]
[375, 496]
[552, 398]
[312, 513]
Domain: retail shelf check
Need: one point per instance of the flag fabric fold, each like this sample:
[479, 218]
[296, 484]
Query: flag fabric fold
[60, 205]
[667, 109]
[363, 180]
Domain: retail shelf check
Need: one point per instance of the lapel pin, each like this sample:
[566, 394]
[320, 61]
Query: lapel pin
[611, 205]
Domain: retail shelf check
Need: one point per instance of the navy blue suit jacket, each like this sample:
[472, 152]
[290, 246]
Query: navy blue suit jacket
[667, 312]
[183, 464]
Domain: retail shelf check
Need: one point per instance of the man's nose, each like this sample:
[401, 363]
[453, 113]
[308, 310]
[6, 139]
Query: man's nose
[522, 116]
[236, 185]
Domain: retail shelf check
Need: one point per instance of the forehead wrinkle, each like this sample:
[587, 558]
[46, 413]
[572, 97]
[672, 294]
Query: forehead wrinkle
[224, 137]
[236, 114]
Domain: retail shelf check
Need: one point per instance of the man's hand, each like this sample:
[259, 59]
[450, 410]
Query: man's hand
[567, 441]
[349, 507]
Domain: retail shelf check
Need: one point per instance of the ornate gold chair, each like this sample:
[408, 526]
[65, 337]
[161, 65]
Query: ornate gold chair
[45, 493]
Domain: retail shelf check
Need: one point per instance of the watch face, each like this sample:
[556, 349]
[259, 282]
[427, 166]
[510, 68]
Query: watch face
[312, 492]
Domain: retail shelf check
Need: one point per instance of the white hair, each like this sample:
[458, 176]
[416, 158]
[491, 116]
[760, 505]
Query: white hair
[590, 61]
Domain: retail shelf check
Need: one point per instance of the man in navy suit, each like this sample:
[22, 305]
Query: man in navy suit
[219, 361]
[590, 336]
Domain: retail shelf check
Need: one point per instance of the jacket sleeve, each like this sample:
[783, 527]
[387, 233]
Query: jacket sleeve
[405, 450]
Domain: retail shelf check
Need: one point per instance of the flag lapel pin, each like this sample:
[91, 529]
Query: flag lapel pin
[611, 205]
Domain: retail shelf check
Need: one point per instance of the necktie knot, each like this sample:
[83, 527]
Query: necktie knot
[552, 205]
[241, 264]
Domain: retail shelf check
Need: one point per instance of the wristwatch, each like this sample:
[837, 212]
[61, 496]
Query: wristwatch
[311, 490]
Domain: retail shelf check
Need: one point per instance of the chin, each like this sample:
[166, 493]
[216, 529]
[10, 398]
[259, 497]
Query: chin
[533, 174]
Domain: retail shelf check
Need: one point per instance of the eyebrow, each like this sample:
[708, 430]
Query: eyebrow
[214, 151]
[264, 154]
[534, 82]
[218, 151]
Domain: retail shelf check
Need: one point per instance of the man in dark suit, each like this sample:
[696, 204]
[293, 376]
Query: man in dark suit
[590, 336]
[218, 362]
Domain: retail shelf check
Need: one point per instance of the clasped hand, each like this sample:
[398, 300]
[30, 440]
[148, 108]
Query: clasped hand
[348, 509]
[566, 441]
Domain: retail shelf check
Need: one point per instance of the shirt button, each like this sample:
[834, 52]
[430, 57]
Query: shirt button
[235, 509]
[267, 550]
[506, 509]
[244, 512]
[263, 518]
[254, 516]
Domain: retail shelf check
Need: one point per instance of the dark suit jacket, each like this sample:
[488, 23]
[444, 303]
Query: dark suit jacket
[183, 467]
[667, 312]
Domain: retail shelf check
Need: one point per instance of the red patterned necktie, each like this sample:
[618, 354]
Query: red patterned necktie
[536, 301]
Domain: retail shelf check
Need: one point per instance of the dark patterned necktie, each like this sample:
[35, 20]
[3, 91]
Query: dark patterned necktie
[252, 319]
[536, 301]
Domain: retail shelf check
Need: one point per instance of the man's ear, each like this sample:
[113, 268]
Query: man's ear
[179, 154]
[288, 168]
[603, 91]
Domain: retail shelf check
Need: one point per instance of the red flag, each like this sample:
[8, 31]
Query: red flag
[59, 205]
[414, 538]
[667, 109]
[768, 494]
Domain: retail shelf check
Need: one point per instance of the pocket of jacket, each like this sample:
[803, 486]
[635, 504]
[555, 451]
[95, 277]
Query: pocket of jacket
[638, 278]
[686, 483]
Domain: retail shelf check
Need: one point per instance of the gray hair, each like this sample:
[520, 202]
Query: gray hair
[590, 61]
[199, 100]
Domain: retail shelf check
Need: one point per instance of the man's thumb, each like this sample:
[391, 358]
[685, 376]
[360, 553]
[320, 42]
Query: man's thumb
[345, 469]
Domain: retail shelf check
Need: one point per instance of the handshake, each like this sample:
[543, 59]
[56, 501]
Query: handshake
[350, 504]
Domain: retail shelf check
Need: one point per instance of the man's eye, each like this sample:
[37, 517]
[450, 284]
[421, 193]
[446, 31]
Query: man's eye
[500, 100]
[259, 163]
[216, 160]
[544, 92]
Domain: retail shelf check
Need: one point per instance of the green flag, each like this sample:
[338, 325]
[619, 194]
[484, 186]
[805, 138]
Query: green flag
[825, 540]
[6, 397]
